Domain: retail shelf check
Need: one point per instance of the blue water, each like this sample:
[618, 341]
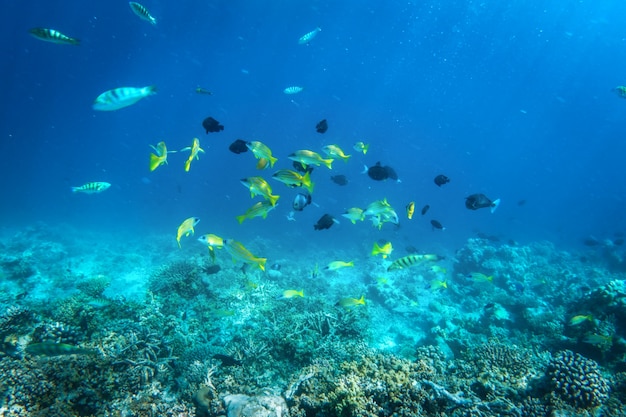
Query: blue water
[510, 99]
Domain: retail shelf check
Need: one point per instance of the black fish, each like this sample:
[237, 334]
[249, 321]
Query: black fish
[325, 222]
[378, 172]
[211, 125]
[425, 209]
[478, 201]
[441, 180]
[238, 146]
[301, 201]
[322, 126]
[437, 225]
[391, 173]
[227, 360]
[339, 179]
[301, 168]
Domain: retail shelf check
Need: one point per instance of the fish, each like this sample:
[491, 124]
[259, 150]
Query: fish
[335, 151]
[260, 150]
[436, 225]
[380, 173]
[438, 269]
[406, 261]
[620, 90]
[384, 250]
[598, 340]
[57, 349]
[92, 187]
[361, 147]
[307, 157]
[480, 277]
[410, 209]
[211, 240]
[238, 146]
[325, 222]
[211, 125]
[580, 319]
[160, 156]
[438, 284]
[351, 302]
[121, 97]
[227, 360]
[308, 37]
[53, 36]
[335, 265]
[186, 228]
[200, 90]
[240, 253]
[302, 168]
[258, 186]
[478, 201]
[294, 179]
[425, 209]
[321, 126]
[293, 90]
[381, 212]
[142, 12]
[300, 201]
[260, 209]
[293, 294]
[195, 150]
[441, 180]
[339, 179]
[354, 214]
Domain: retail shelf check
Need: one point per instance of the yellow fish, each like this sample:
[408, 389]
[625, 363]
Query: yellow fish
[160, 156]
[212, 241]
[195, 149]
[186, 228]
[258, 186]
[335, 265]
[352, 302]
[438, 269]
[307, 157]
[294, 179]
[260, 209]
[580, 319]
[336, 151]
[361, 147]
[438, 284]
[480, 277]
[240, 253]
[261, 151]
[354, 214]
[410, 209]
[384, 250]
[293, 293]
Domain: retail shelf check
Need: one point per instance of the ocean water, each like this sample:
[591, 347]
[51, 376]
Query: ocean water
[515, 100]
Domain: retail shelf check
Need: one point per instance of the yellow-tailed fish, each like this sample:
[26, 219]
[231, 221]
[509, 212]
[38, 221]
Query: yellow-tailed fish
[438, 284]
[195, 150]
[410, 209]
[308, 37]
[211, 240]
[480, 277]
[240, 253]
[186, 228]
[354, 214]
[294, 179]
[377, 207]
[260, 209]
[260, 150]
[352, 302]
[121, 97]
[580, 319]
[335, 151]
[293, 294]
[142, 12]
[620, 90]
[56, 349]
[92, 187]
[598, 340]
[335, 265]
[306, 157]
[54, 36]
[293, 90]
[361, 147]
[200, 90]
[405, 262]
[258, 186]
[384, 250]
[160, 156]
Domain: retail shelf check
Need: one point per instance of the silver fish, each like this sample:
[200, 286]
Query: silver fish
[92, 188]
[54, 36]
[308, 37]
[142, 12]
[293, 90]
[118, 98]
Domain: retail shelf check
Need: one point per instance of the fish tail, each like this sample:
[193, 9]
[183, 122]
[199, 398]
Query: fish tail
[75, 189]
[187, 165]
[241, 218]
[178, 240]
[365, 169]
[306, 181]
[261, 263]
[155, 161]
[272, 161]
[494, 205]
[150, 90]
[345, 158]
[365, 148]
[328, 163]
[273, 199]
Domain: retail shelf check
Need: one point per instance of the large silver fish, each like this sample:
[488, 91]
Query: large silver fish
[142, 12]
[118, 98]
[54, 36]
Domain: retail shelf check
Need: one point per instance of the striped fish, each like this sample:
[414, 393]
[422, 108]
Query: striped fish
[92, 188]
[405, 262]
[118, 98]
[54, 36]
[308, 37]
[56, 349]
[293, 90]
[142, 12]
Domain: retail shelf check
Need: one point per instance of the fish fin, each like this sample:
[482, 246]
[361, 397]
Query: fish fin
[273, 199]
[272, 161]
[152, 89]
[494, 205]
[74, 189]
[187, 165]
[365, 148]
[241, 218]
[155, 161]
[365, 169]
[328, 163]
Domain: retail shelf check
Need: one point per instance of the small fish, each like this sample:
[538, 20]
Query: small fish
[160, 156]
[200, 90]
[335, 265]
[186, 228]
[410, 209]
[142, 12]
[121, 97]
[384, 250]
[57, 349]
[211, 240]
[441, 180]
[478, 201]
[54, 36]
[354, 214]
[260, 150]
[620, 90]
[322, 126]
[258, 186]
[308, 37]
[325, 222]
[294, 179]
[380, 173]
[406, 261]
[238, 146]
[425, 209]
[339, 179]
[307, 157]
[436, 225]
[293, 90]
[598, 340]
[438, 284]
[300, 201]
[240, 253]
[335, 151]
[361, 147]
[211, 125]
[293, 294]
[195, 150]
[480, 277]
[92, 187]
[580, 319]
[438, 269]
[352, 302]
[227, 360]
[260, 209]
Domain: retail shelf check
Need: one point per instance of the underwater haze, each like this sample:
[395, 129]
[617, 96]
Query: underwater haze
[522, 102]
